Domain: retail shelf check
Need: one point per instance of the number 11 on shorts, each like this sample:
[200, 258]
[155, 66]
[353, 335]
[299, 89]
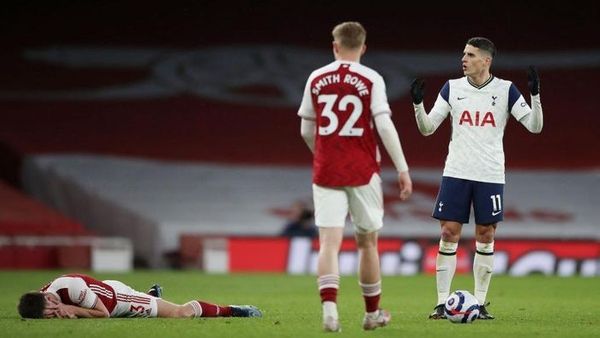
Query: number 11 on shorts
[496, 204]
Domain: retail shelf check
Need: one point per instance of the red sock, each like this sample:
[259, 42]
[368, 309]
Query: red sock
[225, 311]
[328, 295]
[372, 303]
[213, 310]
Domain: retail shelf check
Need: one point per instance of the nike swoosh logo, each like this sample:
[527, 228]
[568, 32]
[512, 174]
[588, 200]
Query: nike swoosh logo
[461, 98]
[494, 213]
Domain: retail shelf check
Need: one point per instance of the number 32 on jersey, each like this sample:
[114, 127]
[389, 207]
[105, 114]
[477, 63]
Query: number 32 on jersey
[330, 109]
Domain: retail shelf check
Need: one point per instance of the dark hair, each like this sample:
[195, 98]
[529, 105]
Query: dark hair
[31, 305]
[483, 44]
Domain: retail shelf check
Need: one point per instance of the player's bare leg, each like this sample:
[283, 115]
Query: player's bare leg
[330, 241]
[483, 264]
[370, 281]
[167, 309]
[445, 264]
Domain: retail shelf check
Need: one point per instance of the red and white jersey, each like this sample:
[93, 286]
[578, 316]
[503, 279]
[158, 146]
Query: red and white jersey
[82, 290]
[343, 98]
[120, 299]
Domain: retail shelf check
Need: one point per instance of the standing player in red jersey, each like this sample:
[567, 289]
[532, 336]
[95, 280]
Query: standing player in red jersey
[342, 101]
[81, 296]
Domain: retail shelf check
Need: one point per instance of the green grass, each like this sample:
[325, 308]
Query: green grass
[533, 306]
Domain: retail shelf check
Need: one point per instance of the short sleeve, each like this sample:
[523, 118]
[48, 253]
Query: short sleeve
[81, 294]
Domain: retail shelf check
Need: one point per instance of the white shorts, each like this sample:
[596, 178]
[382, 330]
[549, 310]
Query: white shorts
[132, 303]
[365, 204]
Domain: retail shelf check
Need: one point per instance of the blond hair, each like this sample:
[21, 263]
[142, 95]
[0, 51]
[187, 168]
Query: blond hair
[350, 35]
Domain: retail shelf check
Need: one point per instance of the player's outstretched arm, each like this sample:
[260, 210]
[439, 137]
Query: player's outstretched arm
[534, 121]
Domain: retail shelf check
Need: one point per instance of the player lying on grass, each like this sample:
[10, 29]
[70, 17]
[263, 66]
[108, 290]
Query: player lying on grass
[82, 296]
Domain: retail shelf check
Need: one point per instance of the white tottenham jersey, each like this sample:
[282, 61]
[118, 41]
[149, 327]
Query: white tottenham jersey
[479, 116]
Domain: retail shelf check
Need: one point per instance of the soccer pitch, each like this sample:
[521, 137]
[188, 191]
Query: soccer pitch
[534, 306]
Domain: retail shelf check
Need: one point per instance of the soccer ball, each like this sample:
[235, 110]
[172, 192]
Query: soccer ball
[461, 307]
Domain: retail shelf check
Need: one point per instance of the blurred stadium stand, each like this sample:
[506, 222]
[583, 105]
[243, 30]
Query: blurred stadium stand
[154, 121]
[34, 236]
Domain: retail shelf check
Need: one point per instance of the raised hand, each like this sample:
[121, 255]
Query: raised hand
[533, 80]
[417, 89]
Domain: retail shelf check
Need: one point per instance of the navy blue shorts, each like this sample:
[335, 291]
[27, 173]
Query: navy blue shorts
[457, 195]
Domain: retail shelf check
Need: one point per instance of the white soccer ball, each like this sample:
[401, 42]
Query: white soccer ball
[461, 307]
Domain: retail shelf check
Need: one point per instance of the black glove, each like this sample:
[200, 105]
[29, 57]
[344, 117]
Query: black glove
[417, 90]
[533, 80]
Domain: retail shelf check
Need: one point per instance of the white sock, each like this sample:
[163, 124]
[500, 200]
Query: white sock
[328, 281]
[370, 290]
[330, 310]
[483, 265]
[445, 266]
[196, 307]
[373, 315]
